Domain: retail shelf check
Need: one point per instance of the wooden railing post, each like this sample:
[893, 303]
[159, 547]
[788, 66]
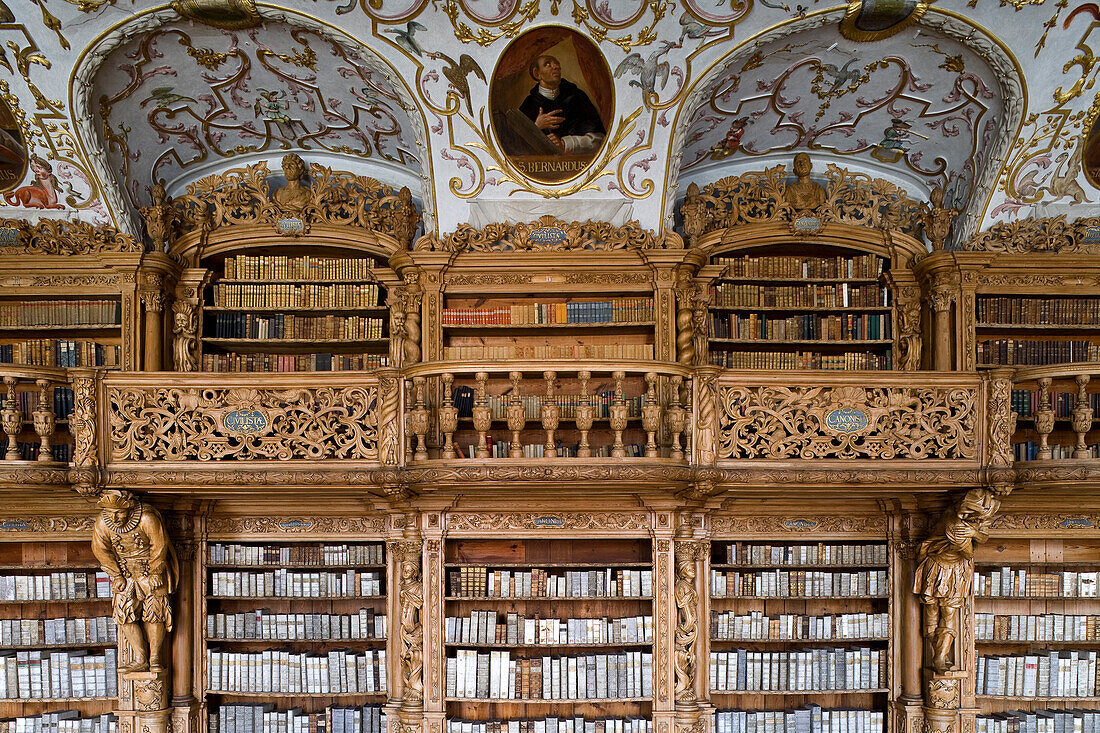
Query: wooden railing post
[677, 417]
[584, 416]
[1044, 419]
[483, 416]
[1082, 416]
[12, 419]
[618, 415]
[448, 417]
[651, 415]
[551, 415]
[45, 421]
[517, 416]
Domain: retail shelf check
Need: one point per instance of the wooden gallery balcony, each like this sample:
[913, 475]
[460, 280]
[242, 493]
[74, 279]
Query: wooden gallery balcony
[551, 422]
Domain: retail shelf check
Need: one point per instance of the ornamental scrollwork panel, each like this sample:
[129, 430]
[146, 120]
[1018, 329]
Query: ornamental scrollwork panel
[179, 424]
[549, 520]
[809, 423]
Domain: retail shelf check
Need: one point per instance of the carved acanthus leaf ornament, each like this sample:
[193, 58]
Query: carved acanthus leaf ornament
[549, 234]
[847, 422]
[1052, 234]
[55, 237]
[548, 520]
[157, 423]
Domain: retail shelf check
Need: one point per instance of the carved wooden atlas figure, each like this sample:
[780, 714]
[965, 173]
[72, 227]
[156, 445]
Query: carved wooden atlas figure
[132, 547]
[944, 571]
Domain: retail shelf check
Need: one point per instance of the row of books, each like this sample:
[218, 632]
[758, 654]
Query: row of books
[810, 719]
[474, 581]
[283, 583]
[1044, 627]
[1026, 402]
[502, 449]
[277, 671]
[1016, 582]
[1039, 721]
[38, 674]
[263, 624]
[616, 310]
[729, 626]
[240, 718]
[825, 668]
[279, 267]
[552, 724]
[62, 721]
[785, 266]
[852, 361]
[1001, 310]
[1010, 352]
[61, 452]
[567, 405]
[292, 362]
[798, 583]
[24, 313]
[496, 675]
[27, 402]
[549, 351]
[223, 554]
[1053, 674]
[821, 553]
[37, 631]
[244, 295]
[486, 627]
[806, 327]
[839, 295]
[290, 326]
[59, 586]
[1029, 451]
[61, 353]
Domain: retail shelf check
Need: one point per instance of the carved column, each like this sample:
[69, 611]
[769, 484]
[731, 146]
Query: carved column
[184, 715]
[390, 439]
[1001, 417]
[187, 319]
[153, 300]
[664, 629]
[705, 409]
[909, 704]
[942, 296]
[685, 329]
[413, 296]
[84, 475]
[689, 554]
[407, 561]
[434, 649]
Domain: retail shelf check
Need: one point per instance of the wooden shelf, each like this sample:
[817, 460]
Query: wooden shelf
[53, 327]
[528, 326]
[803, 342]
[56, 600]
[619, 645]
[292, 598]
[873, 691]
[1038, 699]
[287, 695]
[542, 566]
[1035, 327]
[848, 640]
[291, 281]
[797, 598]
[752, 280]
[52, 568]
[297, 309]
[243, 342]
[55, 699]
[812, 566]
[88, 645]
[805, 308]
[569, 599]
[1062, 643]
[538, 700]
[215, 640]
[1037, 598]
[293, 566]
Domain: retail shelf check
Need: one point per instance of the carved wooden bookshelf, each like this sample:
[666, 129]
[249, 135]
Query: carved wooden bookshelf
[299, 625]
[544, 624]
[59, 634]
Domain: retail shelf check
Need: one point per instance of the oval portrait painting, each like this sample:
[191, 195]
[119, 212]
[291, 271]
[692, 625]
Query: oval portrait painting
[13, 153]
[552, 103]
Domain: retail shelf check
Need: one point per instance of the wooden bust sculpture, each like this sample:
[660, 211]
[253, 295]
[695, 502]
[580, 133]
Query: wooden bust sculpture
[804, 194]
[132, 547]
[293, 196]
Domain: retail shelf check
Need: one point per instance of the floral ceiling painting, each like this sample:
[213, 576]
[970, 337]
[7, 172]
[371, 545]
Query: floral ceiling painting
[262, 91]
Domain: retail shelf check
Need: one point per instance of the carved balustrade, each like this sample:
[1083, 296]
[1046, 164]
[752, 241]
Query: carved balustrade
[850, 417]
[1055, 409]
[28, 413]
[549, 410]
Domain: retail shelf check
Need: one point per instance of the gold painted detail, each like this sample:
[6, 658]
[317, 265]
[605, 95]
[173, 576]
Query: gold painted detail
[547, 234]
[817, 422]
[761, 197]
[243, 423]
[244, 196]
[55, 237]
[1052, 234]
[498, 521]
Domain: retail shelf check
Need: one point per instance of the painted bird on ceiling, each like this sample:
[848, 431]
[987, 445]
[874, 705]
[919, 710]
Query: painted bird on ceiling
[649, 70]
[456, 74]
[405, 38]
[693, 29]
[841, 76]
[165, 97]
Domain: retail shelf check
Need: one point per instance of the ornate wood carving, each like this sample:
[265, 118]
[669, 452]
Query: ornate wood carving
[185, 325]
[1000, 421]
[57, 237]
[909, 328]
[242, 423]
[407, 557]
[847, 422]
[1053, 234]
[1083, 522]
[688, 556]
[797, 524]
[295, 525]
[51, 524]
[548, 234]
[477, 522]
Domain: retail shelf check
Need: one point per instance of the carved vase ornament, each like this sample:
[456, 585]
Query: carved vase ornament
[584, 415]
[945, 571]
[131, 544]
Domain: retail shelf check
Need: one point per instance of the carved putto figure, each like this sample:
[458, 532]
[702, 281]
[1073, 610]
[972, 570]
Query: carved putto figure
[293, 196]
[937, 219]
[944, 571]
[804, 194]
[132, 547]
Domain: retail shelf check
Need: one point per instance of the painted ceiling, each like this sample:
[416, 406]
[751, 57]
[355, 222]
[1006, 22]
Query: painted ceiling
[991, 99]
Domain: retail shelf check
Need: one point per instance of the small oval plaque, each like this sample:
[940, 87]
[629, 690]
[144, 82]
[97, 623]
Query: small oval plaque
[806, 225]
[293, 524]
[290, 225]
[549, 522]
[547, 236]
[847, 420]
[14, 525]
[800, 524]
[246, 422]
[1076, 523]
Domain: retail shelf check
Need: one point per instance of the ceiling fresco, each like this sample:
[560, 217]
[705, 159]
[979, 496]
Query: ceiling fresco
[990, 99]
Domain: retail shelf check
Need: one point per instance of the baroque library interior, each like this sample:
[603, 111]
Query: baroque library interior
[290, 448]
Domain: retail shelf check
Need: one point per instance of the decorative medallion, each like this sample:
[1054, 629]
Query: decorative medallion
[552, 103]
[847, 420]
[874, 20]
[800, 525]
[291, 225]
[806, 225]
[246, 422]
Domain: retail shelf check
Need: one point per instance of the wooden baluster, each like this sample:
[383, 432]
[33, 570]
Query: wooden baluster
[584, 415]
[448, 417]
[1082, 416]
[551, 414]
[418, 422]
[677, 418]
[483, 416]
[651, 415]
[1044, 419]
[517, 415]
[687, 400]
[12, 419]
[44, 420]
[618, 415]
